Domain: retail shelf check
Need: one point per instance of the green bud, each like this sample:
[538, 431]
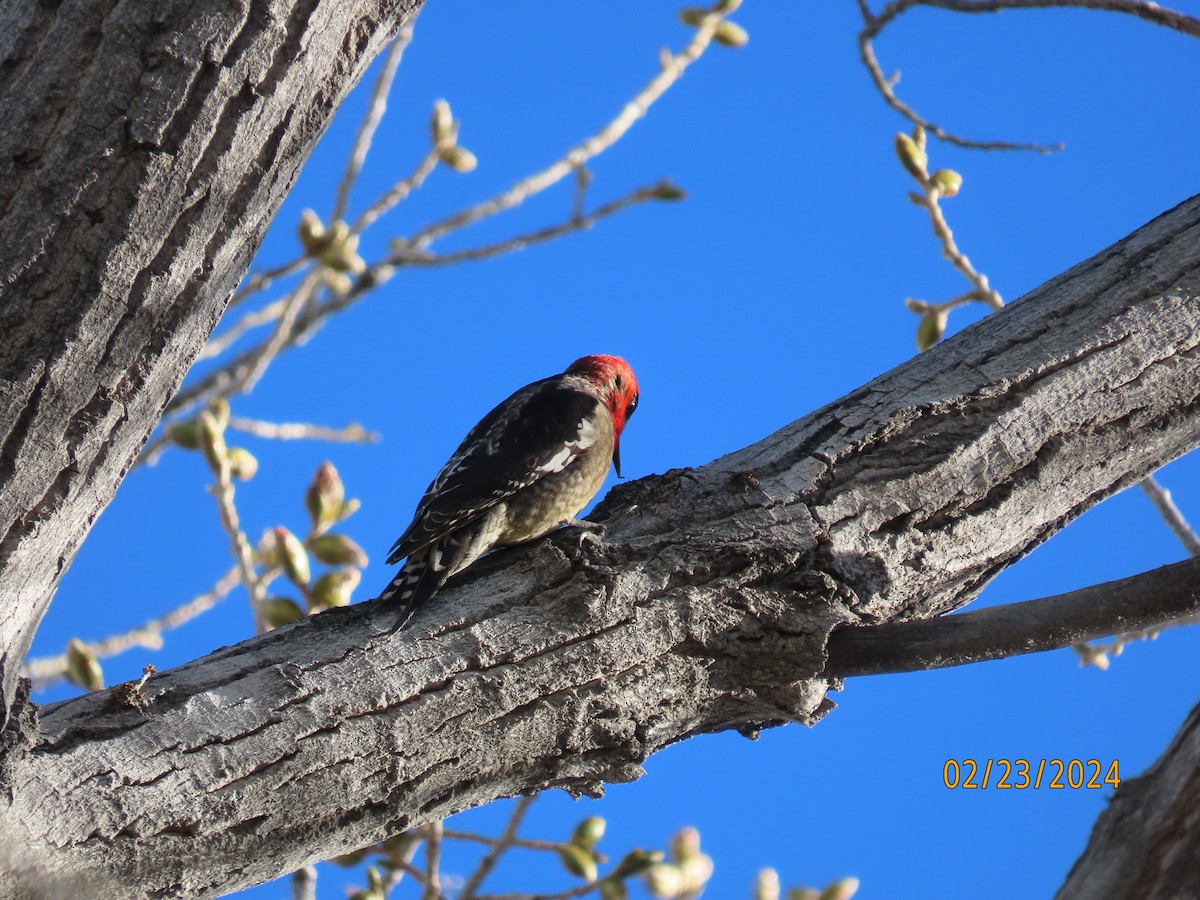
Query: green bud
[460, 159]
[375, 880]
[267, 552]
[242, 463]
[947, 181]
[693, 16]
[664, 880]
[325, 496]
[611, 889]
[578, 862]
[727, 6]
[695, 872]
[803, 894]
[589, 832]
[441, 123]
[840, 890]
[311, 232]
[219, 407]
[918, 136]
[911, 156]
[293, 556]
[636, 862]
[337, 550]
[915, 305]
[730, 34]
[685, 844]
[347, 860]
[279, 611]
[334, 588]
[185, 434]
[349, 508]
[664, 190]
[931, 328]
[212, 439]
[766, 885]
[83, 669]
[342, 253]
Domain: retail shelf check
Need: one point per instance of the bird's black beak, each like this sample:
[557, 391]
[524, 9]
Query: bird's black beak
[617, 458]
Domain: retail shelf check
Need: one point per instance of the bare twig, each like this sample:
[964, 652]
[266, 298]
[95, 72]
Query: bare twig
[580, 891]
[672, 69]
[433, 853]
[874, 25]
[501, 846]
[293, 431]
[282, 333]
[48, 670]
[244, 554]
[264, 315]
[398, 192]
[1161, 498]
[406, 257]
[260, 281]
[981, 288]
[304, 884]
[998, 632]
[375, 110]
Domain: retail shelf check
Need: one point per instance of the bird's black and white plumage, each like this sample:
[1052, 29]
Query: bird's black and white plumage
[528, 467]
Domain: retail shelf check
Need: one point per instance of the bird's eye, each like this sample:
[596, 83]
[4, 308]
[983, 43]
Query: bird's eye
[631, 407]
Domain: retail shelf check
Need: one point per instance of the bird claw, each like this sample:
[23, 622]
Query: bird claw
[588, 531]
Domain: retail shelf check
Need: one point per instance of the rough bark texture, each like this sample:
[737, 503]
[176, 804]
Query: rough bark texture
[707, 608]
[1146, 845]
[143, 149]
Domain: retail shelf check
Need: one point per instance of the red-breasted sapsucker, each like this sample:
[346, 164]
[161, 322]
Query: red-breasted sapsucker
[529, 466]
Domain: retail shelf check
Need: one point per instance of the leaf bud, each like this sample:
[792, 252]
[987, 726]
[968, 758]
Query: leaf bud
[766, 885]
[931, 328]
[212, 439]
[911, 156]
[325, 496]
[664, 880]
[185, 434]
[83, 669]
[636, 862]
[293, 556]
[333, 588]
[665, 190]
[242, 463]
[730, 34]
[589, 832]
[279, 611]
[337, 550]
[441, 123]
[693, 15]
[947, 181]
[458, 158]
[311, 232]
[840, 890]
[578, 862]
[612, 889]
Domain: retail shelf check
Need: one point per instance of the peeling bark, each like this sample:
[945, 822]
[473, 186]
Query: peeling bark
[707, 607]
[143, 150]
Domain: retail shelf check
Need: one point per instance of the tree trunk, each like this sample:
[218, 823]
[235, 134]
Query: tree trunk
[707, 607]
[143, 150]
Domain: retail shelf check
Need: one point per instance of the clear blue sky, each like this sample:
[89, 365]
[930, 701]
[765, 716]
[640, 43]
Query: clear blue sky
[775, 288]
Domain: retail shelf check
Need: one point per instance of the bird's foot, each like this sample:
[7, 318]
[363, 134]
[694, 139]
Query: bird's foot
[588, 531]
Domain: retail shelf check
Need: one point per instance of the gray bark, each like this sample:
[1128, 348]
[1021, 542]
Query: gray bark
[143, 150]
[1146, 844]
[708, 606]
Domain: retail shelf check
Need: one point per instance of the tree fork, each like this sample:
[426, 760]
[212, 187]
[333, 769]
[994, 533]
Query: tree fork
[143, 151]
[707, 608]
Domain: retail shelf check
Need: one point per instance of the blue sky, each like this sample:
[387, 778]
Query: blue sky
[775, 288]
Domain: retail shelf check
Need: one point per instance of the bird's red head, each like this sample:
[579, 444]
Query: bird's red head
[618, 390]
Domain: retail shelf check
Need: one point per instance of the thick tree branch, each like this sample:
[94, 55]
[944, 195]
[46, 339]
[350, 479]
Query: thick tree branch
[707, 608]
[998, 632]
[142, 153]
[1146, 844]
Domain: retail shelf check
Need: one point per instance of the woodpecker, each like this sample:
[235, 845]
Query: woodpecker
[528, 467]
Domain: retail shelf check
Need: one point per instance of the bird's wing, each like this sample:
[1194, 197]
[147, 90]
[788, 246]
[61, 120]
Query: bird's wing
[539, 430]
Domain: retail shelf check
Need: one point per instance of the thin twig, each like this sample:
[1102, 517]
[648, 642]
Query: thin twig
[941, 230]
[375, 110]
[260, 281]
[874, 25]
[264, 315]
[522, 843]
[304, 884]
[506, 840]
[405, 257]
[244, 554]
[580, 891]
[293, 431]
[433, 854]
[398, 192]
[1161, 498]
[282, 333]
[48, 670]
[673, 68]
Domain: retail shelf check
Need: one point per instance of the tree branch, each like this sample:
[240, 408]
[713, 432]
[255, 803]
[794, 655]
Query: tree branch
[707, 608]
[1033, 626]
